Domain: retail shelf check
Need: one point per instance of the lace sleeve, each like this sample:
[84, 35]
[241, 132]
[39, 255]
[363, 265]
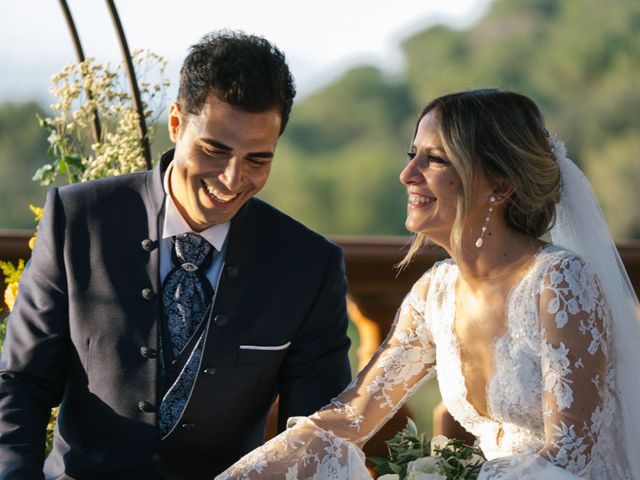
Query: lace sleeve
[326, 444]
[574, 322]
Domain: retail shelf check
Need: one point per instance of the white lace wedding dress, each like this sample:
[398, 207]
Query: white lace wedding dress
[553, 413]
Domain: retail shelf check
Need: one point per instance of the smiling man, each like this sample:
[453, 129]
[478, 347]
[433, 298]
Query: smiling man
[164, 311]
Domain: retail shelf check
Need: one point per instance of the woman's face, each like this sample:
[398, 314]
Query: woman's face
[432, 184]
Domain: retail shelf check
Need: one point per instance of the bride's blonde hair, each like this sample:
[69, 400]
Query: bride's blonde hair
[502, 136]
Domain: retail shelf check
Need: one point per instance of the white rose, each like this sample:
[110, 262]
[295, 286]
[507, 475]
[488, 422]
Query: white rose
[438, 442]
[426, 468]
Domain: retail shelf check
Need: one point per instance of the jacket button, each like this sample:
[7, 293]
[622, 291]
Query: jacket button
[147, 294]
[210, 371]
[187, 426]
[220, 320]
[148, 352]
[148, 245]
[232, 271]
[145, 407]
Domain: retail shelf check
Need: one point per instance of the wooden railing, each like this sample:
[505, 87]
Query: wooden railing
[375, 290]
[374, 284]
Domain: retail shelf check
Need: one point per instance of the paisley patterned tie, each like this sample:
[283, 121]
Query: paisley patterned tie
[186, 291]
[185, 296]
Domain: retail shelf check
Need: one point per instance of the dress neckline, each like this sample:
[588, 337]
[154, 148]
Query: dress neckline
[456, 342]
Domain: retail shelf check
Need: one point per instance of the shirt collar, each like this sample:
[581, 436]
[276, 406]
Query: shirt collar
[175, 224]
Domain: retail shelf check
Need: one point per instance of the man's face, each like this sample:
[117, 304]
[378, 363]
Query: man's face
[223, 158]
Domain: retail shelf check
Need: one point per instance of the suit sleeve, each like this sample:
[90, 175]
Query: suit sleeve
[317, 366]
[34, 359]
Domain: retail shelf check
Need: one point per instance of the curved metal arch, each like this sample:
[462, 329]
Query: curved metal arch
[133, 82]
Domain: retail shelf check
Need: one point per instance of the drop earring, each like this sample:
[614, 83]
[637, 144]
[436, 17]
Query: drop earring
[480, 240]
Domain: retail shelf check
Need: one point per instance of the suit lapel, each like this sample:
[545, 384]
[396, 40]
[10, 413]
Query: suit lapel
[154, 199]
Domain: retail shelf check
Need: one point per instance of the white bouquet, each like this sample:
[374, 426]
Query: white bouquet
[411, 457]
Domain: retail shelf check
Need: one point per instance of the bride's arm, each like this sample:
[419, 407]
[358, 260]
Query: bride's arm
[326, 439]
[575, 348]
[403, 362]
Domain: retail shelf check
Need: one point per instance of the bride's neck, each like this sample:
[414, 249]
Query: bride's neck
[502, 253]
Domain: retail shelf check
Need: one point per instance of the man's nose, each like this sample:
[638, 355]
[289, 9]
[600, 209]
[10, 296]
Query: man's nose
[231, 177]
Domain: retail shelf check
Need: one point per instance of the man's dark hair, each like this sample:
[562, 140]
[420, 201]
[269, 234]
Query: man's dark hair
[243, 70]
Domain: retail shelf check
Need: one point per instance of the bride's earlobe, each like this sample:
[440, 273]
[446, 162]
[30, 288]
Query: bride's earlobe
[502, 190]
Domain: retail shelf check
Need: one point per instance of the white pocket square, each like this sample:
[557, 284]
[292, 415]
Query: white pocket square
[264, 347]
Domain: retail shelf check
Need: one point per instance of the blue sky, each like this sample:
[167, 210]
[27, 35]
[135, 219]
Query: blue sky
[320, 39]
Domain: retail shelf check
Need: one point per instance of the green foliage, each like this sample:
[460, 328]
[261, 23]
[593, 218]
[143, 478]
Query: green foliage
[3, 330]
[65, 159]
[460, 461]
[405, 446]
[338, 163]
[408, 450]
[23, 147]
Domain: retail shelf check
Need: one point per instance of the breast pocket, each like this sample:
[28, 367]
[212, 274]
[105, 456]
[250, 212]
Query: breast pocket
[262, 354]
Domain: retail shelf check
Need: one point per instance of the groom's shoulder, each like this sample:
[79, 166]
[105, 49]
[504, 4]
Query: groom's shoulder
[284, 228]
[115, 189]
[110, 199]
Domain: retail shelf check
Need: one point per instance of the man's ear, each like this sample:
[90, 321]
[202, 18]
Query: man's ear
[503, 190]
[175, 121]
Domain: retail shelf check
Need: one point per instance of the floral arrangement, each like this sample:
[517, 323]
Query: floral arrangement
[412, 457]
[85, 91]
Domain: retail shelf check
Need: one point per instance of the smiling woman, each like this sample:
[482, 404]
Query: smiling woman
[432, 183]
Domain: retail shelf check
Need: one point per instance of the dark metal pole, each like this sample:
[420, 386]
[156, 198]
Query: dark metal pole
[133, 83]
[95, 127]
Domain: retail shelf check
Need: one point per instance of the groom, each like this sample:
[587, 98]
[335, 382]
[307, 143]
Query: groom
[165, 310]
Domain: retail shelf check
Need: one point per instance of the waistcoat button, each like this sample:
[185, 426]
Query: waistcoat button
[148, 352]
[147, 294]
[148, 245]
[145, 407]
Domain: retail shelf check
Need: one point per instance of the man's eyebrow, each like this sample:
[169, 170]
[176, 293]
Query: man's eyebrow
[221, 146]
[215, 144]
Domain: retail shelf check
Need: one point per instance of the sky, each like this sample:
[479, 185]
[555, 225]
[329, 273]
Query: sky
[320, 39]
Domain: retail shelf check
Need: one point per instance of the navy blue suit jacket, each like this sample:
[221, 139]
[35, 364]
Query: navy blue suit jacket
[84, 334]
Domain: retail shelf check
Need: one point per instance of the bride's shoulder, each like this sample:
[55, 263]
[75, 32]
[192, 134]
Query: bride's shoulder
[438, 276]
[440, 271]
[557, 263]
[550, 255]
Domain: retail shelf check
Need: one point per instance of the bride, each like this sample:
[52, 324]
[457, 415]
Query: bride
[534, 344]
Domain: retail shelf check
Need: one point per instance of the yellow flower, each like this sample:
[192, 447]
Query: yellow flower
[10, 294]
[37, 211]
